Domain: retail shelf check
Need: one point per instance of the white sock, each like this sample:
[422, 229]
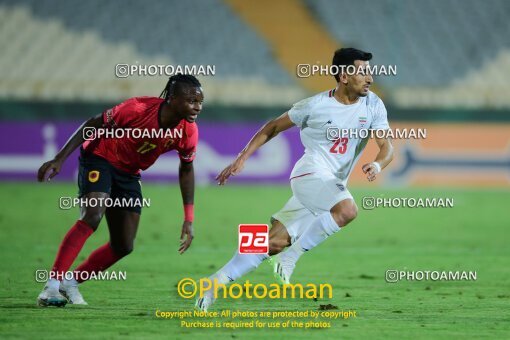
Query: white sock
[239, 265]
[321, 228]
[71, 282]
[53, 284]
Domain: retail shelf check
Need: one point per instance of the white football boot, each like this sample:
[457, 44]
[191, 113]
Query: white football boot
[70, 290]
[51, 297]
[282, 268]
[204, 302]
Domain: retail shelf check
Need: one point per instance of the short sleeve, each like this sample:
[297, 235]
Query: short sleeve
[300, 111]
[188, 153]
[380, 119]
[120, 114]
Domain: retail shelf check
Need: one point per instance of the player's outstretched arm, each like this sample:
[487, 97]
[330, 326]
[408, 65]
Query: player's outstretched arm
[53, 167]
[266, 133]
[383, 158]
[187, 185]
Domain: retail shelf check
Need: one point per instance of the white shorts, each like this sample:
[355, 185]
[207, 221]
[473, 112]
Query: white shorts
[313, 194]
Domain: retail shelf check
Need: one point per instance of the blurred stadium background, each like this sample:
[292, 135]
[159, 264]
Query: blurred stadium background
[453, 62]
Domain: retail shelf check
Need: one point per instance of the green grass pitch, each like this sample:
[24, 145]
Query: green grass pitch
[472, 236]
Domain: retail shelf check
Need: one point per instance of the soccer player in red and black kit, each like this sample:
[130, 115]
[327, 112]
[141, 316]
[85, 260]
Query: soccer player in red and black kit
[110, 168]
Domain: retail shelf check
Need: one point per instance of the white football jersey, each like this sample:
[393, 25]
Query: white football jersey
[321, 117]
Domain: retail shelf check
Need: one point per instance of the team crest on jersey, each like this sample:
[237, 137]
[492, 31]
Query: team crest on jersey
[362, 121]
[93, 176]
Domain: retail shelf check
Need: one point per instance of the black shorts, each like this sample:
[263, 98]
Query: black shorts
[96, 174]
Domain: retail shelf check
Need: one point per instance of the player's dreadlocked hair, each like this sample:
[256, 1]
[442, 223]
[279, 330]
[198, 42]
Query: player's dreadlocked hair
[176, 82]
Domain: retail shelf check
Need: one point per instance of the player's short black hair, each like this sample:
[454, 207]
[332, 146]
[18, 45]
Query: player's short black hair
[346, 56]
[175, 82]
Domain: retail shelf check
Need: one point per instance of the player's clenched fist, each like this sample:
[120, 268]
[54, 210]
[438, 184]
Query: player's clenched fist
[371, 170]
[52, 167]
[231, 170]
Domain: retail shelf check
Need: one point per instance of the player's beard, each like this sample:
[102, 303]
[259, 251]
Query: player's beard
[363, 93]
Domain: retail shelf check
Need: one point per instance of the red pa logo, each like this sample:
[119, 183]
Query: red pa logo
[253, 239]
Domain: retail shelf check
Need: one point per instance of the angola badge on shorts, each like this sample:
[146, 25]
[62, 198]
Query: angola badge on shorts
[93, 176]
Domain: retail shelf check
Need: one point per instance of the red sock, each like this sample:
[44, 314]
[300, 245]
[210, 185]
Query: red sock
[70, 247]
[100, 259]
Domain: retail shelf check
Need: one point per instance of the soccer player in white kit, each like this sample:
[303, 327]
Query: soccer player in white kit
[321, 204]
